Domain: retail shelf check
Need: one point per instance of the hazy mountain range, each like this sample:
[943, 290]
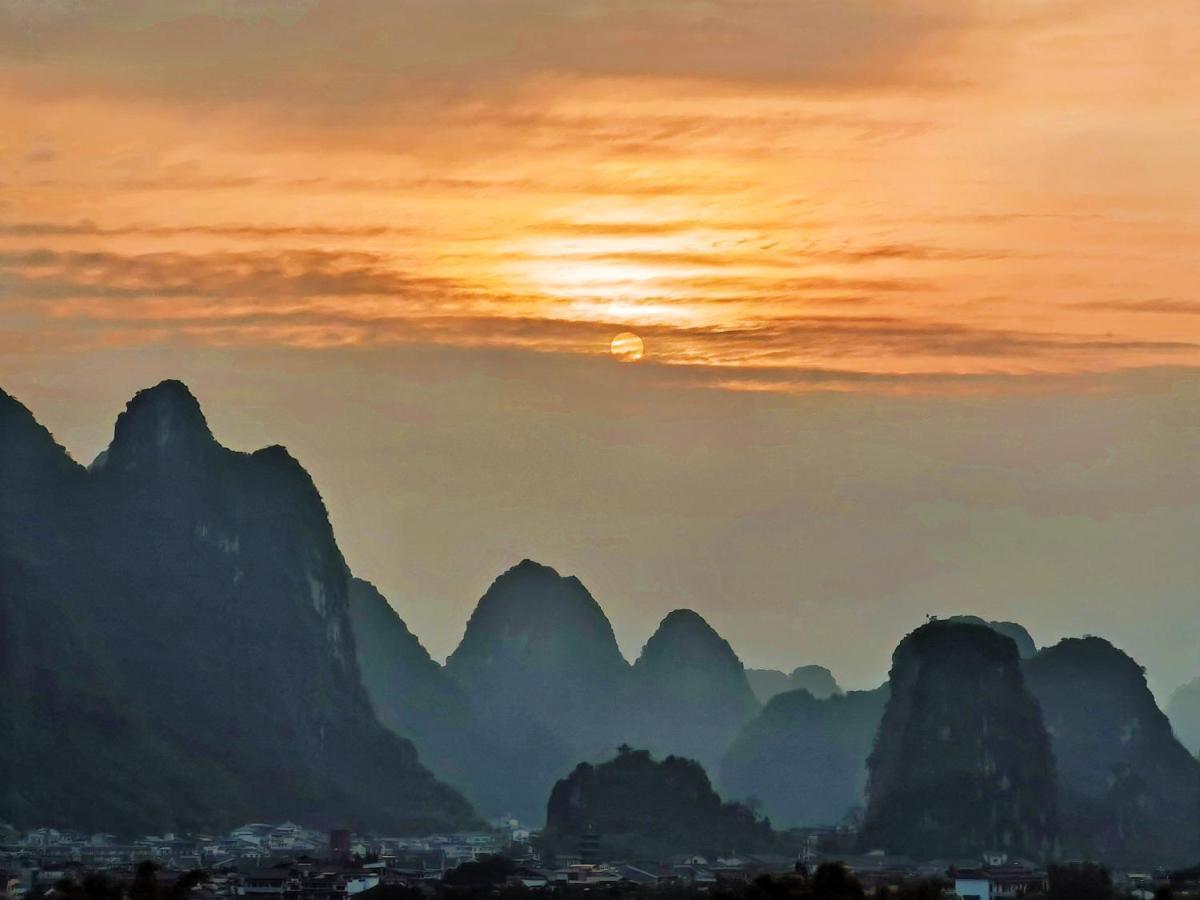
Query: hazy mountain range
[768, 683]
[183, 647]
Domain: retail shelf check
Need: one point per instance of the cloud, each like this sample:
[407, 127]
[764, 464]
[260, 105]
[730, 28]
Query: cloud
[321, 299]
[91, 229]
[1168, 306]
[58, 274]
[52, 274]
[355, 53]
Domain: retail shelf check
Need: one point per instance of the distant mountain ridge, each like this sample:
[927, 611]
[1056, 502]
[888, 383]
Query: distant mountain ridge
[694, 690]
[180, 632]
[545, 678]
[1128, 789]
[817, 680]
[538, 684]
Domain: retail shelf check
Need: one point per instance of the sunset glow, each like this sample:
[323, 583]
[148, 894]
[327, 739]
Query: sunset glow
[991, 196]
[627, 347]
[818, 318]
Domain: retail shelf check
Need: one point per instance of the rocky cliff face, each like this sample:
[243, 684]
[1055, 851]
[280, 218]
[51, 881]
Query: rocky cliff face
[211, 584]
[805, 759]
[545, 678]
[637, 805]
[817, 680]
[1128, 790]
[693, 689]
[962, 762]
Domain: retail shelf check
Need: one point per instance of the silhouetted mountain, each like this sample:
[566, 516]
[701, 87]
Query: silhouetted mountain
[1183, 709]
[694, 689]
[39, 487]
[817, 680]
[1128, 790]
[210, 583]
[71, 752]
[637, 806]
[58, 709]
[1024, 640]
[545, 678]
[162, 428]
[962, 762]
[767, 683]
[805, 759]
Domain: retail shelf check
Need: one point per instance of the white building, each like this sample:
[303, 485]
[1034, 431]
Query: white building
[973, 887]
[999, 883]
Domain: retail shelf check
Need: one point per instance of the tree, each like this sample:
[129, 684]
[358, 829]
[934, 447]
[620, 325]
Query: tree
[773, 887]
[188, 880]
[834, 881]
[391, 892]
[486, 872]
[98, 886]
[920, 889]
[145, 881]
[1080, 881]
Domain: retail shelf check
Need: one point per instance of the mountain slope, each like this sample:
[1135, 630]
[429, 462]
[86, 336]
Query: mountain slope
[58, 709]
[415, 698]
[40, 488]
[410, 692]
[211, 582]
[545, 678]
[59, 713]
[962, 763]
[1128, 790]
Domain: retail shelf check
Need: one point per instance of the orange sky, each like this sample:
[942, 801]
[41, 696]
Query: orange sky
[777, 194]
[916, 280]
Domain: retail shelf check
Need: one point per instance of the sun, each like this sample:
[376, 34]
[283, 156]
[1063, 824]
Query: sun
[627, 347]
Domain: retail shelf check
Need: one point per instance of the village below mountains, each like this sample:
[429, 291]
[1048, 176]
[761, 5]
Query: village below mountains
[183, 649]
